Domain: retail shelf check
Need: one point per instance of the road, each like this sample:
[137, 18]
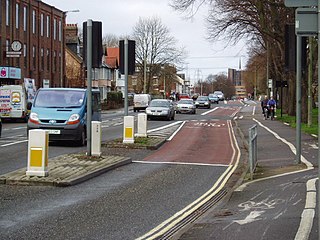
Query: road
[132, 201]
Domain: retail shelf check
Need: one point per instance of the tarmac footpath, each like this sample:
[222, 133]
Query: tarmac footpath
[280, 203]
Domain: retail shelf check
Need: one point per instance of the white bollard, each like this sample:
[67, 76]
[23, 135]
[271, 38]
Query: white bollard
[38, 153]
[142, 125]
[128, 129]
[96, 138]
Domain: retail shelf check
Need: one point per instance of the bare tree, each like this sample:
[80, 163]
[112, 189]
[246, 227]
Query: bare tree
[155, 47]
[260, 22]
[110, 40]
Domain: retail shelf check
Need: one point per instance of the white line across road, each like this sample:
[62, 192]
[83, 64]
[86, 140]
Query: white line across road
[216, 188]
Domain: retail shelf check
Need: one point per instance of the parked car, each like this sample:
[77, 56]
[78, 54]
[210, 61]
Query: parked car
[214, 98]
[141, 101]
[160, 108]
[203, 101]
[220, 95]
[186, 106]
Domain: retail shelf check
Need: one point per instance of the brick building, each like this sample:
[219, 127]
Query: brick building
[38, 28]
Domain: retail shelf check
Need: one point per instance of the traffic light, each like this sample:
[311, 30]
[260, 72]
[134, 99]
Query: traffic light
[97, 51]
[131, 56]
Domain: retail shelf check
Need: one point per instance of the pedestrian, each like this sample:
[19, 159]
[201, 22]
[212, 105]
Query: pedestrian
[264, 104]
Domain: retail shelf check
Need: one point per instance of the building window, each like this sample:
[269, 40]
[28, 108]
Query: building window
[17, 16]
[41, 24]
[25, 54]
[54, 29]
[33, 21]
[25, 18]
[34, 57]
[48, 26]
[54, 61]
[42, 59]
[60, 31]
[7, 12]
[48, 60]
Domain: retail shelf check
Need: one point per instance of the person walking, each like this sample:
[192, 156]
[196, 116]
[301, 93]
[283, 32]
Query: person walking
[264, 106]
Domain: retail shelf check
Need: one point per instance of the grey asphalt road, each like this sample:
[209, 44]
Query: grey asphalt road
[122, 204]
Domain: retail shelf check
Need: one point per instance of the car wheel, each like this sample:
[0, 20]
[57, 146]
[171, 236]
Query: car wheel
[83, 139]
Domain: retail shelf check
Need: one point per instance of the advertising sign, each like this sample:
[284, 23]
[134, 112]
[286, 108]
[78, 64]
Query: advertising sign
[30, 88]
[10, 72]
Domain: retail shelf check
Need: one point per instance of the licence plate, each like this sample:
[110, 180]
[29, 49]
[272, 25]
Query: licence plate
[52, 131]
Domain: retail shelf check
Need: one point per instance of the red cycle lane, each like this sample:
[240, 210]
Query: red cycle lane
[198, 142]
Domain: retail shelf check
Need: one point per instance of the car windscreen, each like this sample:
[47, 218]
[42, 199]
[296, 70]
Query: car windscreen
[159, 104]
[202, 98]
[59, 99]
[212, 95]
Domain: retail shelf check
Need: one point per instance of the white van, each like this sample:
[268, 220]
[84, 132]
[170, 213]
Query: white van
[13, 102]
[141, 102]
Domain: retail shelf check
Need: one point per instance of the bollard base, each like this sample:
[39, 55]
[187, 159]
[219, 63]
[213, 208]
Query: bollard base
[128, 141]
[140, 135]
[96, 154]
[37, 173]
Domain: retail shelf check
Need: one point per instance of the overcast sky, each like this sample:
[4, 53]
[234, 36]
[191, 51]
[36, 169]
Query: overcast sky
[119, 17]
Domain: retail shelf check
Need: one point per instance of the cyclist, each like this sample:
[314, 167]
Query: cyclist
[272, 107]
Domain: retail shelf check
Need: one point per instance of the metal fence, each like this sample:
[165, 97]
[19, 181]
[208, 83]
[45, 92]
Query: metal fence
[253, 149]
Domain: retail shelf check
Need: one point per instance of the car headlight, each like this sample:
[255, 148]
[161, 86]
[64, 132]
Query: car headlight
[148, 111]
[196, 102]
[34, 118]
[165, 111]
[206, 103]
[74, 118]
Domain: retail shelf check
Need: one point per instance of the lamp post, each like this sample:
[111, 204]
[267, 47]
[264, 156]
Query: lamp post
[63, 14]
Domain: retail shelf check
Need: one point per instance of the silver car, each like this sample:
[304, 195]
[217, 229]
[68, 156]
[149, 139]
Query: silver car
[203, 101]
[160, 108]
[186, 106]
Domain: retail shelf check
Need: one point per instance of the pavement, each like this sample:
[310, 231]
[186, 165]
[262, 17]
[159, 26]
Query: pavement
[280, 201]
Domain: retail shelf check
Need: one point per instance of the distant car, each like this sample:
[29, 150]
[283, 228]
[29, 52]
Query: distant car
[214, 98]
[220, 95]
[203, 101]
[160, 108]
[186, 106]
[184, 95]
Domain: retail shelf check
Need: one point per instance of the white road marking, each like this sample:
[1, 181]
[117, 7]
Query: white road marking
[183, 163]
[210, 111]
[216, 188]
[13, 143]
[308, 213]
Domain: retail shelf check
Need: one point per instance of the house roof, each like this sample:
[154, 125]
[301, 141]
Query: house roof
[112, 58]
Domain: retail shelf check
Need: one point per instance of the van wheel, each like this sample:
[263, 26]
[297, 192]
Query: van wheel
[83, 139]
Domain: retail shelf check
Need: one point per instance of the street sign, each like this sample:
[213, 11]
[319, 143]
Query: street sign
[301, 3]
[306, 21]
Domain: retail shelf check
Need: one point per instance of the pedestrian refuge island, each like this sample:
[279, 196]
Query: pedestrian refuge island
[38, 144]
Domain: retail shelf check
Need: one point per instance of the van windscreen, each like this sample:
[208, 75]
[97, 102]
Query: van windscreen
[59, 99]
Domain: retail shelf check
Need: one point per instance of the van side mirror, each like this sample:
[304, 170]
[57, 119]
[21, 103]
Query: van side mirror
[29, 105]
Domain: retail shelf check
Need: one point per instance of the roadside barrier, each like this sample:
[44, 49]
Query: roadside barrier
[253, 149]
